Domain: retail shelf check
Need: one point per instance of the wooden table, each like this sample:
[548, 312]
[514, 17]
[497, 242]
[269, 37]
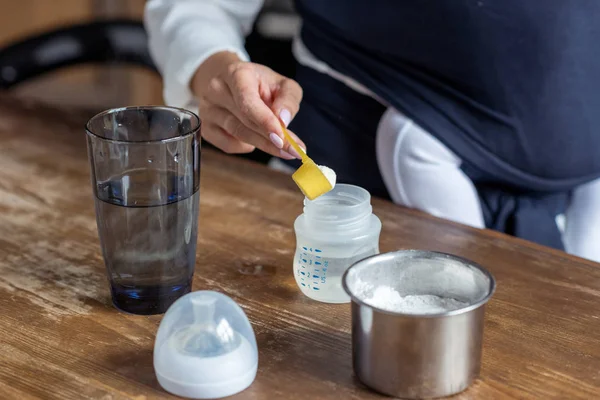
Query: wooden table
[60, 338]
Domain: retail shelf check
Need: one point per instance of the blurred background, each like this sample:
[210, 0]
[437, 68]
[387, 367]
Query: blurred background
[92, 53]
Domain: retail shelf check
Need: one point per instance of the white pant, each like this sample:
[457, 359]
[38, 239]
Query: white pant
[420, 172]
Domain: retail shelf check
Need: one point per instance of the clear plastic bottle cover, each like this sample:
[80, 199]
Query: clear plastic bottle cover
[205, 347]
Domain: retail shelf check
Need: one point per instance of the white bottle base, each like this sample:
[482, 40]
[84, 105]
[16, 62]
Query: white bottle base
[332, 299]
[208, 391]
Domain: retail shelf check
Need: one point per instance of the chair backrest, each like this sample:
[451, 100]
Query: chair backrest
[98, 42]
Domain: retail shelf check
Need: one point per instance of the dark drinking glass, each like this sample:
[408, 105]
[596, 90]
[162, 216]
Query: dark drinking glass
[145, 167]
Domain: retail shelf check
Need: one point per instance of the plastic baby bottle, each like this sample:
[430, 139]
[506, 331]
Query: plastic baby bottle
[335, 230]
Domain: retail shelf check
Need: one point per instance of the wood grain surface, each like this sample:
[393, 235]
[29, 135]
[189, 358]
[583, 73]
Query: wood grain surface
[60, 338]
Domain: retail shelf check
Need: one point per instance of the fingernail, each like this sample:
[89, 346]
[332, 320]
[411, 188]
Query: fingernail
[285, 155]
[294, 153]
[285, 116]
[276, 140]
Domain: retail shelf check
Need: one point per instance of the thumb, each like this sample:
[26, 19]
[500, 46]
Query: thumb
[287, 100]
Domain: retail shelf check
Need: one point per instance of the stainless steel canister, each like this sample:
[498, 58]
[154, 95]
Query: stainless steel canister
[418, 355]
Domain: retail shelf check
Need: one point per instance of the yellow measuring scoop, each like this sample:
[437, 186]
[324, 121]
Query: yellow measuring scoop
[309, 178]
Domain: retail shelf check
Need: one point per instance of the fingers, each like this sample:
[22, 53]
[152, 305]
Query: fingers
[297, 140]
[220, 94]
[244, 84]
[286, 104]
[245, 104]
[287, 100]
[221, 139]
[233, 128]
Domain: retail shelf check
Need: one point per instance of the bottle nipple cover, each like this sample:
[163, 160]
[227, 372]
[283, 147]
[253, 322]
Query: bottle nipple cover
[205, 347]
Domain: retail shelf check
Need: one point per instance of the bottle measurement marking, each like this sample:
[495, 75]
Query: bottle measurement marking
[306, 261]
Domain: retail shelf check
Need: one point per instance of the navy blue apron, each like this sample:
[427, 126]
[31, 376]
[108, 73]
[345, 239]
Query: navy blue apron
[512, 87]
[338, 126]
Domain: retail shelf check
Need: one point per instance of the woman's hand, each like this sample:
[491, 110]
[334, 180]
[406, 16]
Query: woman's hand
[239, 103]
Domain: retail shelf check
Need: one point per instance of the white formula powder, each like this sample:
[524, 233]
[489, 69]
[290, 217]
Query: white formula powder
[329, 174]
[386, 298]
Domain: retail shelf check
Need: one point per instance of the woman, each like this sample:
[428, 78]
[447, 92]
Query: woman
[484, 112]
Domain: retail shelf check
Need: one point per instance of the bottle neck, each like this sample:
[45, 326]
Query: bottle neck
[345, 205]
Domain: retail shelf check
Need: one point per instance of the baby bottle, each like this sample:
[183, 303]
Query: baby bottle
[335, 230]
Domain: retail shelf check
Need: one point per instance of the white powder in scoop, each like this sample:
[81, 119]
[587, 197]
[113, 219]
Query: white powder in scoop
[329, 174]
[387, 298]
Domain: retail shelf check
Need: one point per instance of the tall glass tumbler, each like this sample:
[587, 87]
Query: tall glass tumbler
[145, 168]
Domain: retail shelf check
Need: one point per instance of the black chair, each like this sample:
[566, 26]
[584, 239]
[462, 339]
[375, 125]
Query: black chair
[100, 42]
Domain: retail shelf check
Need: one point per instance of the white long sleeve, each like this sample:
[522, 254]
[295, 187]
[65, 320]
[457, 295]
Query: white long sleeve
[184, 33]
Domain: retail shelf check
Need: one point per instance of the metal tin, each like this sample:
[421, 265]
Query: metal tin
[418, 355]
